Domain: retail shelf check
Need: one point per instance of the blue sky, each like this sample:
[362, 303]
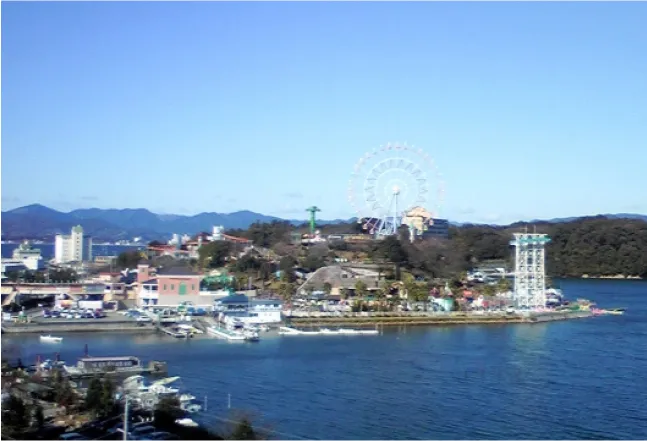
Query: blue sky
[529, 110]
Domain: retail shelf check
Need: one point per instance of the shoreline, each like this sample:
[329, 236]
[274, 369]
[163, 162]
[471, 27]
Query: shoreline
[428, 320]
[37, 328]
[437, 321]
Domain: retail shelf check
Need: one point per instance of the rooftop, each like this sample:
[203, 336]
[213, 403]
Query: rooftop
[150, 282]
[177, 271]
[122, 358]
[236, 298]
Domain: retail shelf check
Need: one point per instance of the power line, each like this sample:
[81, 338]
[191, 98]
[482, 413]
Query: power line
[262, 430]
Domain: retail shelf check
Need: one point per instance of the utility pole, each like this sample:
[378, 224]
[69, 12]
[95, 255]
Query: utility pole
[126, 419]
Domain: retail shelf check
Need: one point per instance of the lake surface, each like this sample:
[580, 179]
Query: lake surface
[580, 379]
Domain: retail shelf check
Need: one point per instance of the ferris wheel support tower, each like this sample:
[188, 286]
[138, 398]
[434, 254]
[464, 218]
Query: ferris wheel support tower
[530, 270]
[389, 224]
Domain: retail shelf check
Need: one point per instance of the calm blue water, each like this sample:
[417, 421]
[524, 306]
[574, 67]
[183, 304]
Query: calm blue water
[47, 250]
[581, 379]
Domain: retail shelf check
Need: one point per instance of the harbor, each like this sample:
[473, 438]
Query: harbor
[286, 379]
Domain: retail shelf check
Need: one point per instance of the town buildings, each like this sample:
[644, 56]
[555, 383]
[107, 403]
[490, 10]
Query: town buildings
[76, 247]
[23, 258]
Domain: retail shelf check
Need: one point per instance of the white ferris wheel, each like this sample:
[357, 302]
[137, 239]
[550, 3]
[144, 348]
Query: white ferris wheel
[389, 181]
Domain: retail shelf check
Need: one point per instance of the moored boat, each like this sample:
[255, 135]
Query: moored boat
[225, 333]
[50, 339]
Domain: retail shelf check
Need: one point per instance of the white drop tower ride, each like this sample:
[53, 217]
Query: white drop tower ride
[530, 270]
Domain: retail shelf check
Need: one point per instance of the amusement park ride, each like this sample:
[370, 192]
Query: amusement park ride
[389, 187]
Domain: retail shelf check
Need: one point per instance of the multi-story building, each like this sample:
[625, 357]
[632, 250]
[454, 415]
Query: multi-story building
[439, 229]
[28, 256]
[76, 247]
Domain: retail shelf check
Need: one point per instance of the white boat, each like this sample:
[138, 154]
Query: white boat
[344, 331]
[185, 398]
[186, 422]
[284, 330]
[225, 333]
[251, 335]
[191, 407]
[190, 329]
[50, 339]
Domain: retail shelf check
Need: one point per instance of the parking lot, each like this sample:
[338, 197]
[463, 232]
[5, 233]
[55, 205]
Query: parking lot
[109, 316]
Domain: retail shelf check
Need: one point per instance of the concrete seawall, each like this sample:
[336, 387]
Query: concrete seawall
[439, 320]
[54, 328]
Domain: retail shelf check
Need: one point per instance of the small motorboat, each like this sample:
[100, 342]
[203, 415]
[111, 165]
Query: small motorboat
[616, 311]
[50, 339]
[251, 335]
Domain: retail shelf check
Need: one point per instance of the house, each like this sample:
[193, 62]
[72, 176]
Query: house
[170, 287]
[340, 278]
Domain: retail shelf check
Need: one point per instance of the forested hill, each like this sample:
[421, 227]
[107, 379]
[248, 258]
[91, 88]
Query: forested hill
[594, 246]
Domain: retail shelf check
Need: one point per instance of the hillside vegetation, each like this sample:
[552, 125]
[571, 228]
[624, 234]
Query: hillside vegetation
[595, 246]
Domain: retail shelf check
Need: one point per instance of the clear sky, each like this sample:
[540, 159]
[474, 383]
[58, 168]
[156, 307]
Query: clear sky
[529, 110]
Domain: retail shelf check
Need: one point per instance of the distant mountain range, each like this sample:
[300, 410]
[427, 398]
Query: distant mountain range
[39, 222]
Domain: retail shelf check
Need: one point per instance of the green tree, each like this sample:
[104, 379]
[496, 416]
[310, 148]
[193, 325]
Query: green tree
[286, 291]
[167, 411]
[128, 259]
[287, 263]
[327, 288]
[63, 276]
[503, 285]
[214, 254]
[12, 276]
[243, 431]
[288, 276]
[265, 271]
[360, 288]
[93, 396]
[63, 393]
[39, 417]
[15, 416]
[489, 290]
[108, 404]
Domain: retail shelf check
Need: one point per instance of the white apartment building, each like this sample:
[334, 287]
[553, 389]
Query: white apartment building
[75, 247]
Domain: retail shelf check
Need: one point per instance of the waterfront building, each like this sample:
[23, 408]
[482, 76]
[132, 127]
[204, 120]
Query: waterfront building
[76, 247]
[30, 257]
[238, 307]
[172, 287]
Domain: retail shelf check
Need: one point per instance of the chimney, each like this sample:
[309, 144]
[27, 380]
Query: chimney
[143, 272]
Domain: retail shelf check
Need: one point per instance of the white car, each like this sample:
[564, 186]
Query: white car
[144, 319]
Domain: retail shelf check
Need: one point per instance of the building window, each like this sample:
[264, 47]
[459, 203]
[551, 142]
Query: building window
[165, 287]
[172, 286]
[192, 287]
